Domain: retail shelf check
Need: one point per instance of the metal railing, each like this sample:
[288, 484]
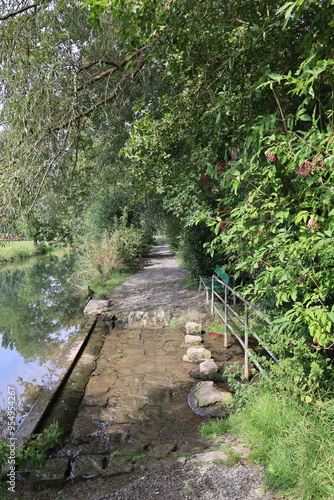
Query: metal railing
[243, 320]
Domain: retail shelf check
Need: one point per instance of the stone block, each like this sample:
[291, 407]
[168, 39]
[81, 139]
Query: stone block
[193, 327]
[53, 475]
[88, 466]
[198, 354]
[193, 339]
[208, 367]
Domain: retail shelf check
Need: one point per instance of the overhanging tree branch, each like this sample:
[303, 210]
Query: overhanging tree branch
[20, 11]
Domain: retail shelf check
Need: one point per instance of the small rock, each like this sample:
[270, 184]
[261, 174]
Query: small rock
[193, 339]
[198, 354]
[208, 367]
[193, 327]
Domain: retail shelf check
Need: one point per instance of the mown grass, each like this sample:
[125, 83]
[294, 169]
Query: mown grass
[293, 440]
[19, 250]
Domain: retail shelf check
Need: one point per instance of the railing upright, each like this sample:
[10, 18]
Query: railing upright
[246, 369]
[212, 292]
[225, 316]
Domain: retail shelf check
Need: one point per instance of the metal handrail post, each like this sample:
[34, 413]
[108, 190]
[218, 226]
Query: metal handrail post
[246, 370]
[225, 316]
[212, 292]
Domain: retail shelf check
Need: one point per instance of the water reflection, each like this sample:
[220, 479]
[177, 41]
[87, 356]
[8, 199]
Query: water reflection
[40, 311]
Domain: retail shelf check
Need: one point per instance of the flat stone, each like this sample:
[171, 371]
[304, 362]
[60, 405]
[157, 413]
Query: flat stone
[88, 466]
[193, 327]
[207, 401]
[209, 456]
[164, 449]
[53, 474]
[206, 394]
[119, 465]
[193, 339]
[95, 306]
[198, 354]
[208, 367]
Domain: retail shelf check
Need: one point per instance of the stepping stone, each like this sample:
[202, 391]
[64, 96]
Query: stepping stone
[193, 339]
[193, 327]
[197, 354]
[207, 401]
[208, 367]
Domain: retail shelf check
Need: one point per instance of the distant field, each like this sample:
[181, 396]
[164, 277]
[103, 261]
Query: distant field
[17, 250]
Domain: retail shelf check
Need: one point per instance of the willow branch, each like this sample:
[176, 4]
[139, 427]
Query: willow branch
[20, 11]
[116, 67]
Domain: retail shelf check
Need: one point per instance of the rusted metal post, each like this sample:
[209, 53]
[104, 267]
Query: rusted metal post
[246, 371]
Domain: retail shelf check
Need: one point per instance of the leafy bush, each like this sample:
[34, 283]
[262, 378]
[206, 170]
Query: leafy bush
[192, 251]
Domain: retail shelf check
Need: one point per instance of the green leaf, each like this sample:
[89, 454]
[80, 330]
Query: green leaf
[305, 118]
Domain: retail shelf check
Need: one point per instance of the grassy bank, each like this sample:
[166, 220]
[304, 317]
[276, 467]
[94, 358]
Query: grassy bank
[19, 250]
[293, 440]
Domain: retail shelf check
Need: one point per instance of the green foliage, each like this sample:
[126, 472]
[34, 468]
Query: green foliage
[293, 440]
[192, 251]
[20, 250]
[225, 124]
[33, 452]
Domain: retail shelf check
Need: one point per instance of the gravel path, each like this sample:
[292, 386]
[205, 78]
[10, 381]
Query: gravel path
[156, 287]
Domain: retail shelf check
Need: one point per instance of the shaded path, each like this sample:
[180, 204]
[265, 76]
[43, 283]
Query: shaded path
[157, 287]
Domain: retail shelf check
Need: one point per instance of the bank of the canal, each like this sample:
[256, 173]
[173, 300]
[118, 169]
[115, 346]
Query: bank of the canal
[133, 435]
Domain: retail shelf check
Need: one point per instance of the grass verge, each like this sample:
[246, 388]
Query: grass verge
[19, 250]
[102, 285]
[293, 440]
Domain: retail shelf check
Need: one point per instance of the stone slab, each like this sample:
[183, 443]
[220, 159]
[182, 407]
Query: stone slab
[88, 466]
[53, 474]
[95, 306]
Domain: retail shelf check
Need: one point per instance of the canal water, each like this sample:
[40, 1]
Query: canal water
[40, 316]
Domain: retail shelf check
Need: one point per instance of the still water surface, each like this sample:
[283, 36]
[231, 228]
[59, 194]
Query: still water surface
[40, 315]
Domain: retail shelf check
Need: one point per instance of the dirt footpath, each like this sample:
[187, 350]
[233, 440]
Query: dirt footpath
[157, 287]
